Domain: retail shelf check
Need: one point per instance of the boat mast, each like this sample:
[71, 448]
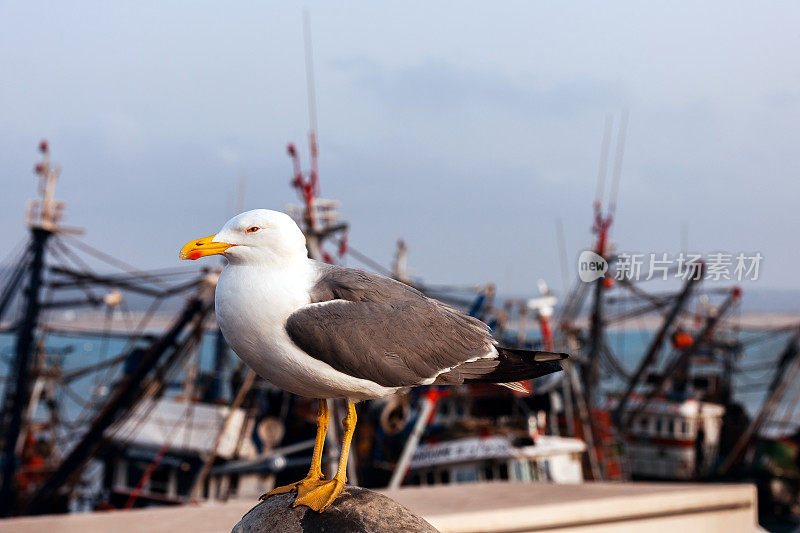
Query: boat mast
[602, 225]
[317, 216]
[43, 216]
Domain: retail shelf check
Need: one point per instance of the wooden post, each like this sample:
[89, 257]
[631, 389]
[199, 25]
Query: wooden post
[199, 482]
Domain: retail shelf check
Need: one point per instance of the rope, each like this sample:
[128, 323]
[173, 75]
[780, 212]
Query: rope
[363, 259]
[113, 261]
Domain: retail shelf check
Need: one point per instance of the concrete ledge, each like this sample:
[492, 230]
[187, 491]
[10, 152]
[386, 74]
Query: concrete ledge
[502, 507]
[508, 507]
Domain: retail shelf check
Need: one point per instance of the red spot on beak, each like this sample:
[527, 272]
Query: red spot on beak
[195, 254]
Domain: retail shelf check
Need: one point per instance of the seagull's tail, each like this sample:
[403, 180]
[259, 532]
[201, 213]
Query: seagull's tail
[519, 365]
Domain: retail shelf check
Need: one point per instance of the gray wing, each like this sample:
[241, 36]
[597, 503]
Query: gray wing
[379, 329]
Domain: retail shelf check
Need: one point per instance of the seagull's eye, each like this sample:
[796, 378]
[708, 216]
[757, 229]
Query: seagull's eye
[252, 229]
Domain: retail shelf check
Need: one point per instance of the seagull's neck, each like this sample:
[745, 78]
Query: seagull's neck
[284, 284]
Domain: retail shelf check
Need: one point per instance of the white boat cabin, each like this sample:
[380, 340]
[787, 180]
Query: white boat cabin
[673, 440]
[475, 459]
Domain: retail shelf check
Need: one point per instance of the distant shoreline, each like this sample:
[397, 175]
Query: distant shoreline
[94, 323]
[756, 321]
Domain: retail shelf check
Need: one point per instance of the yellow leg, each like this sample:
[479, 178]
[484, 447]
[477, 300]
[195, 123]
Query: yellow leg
[322, 496]
[314, 477]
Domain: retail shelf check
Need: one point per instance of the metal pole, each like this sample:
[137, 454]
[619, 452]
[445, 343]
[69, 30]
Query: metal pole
[569, 410]
[17, 395]
[586, 424]
[400, 469]
[590, 374]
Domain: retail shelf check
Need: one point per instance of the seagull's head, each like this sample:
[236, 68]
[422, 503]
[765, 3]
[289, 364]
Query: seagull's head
[254, 237]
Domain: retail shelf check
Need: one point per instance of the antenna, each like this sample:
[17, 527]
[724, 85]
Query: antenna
[312, 103]
[623, 127]
[312, 97]
[601, 171]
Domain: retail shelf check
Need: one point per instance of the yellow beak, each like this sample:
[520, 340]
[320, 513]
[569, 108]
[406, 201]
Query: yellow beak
[202, 247]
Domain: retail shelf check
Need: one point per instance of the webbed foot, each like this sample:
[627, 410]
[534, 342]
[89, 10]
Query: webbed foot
[321, 497]
[303, 486]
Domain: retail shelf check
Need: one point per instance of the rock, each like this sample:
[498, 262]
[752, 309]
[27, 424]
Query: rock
[356, 510]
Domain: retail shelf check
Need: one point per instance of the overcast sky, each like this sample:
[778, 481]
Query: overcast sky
[465, 130]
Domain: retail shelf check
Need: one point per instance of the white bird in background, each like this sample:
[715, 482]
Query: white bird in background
[324, 331]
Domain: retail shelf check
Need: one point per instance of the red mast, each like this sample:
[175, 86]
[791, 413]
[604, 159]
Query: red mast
[317, 217]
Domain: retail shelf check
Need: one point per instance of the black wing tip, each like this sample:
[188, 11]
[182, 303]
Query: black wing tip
[506, 373]
[515, 365]
[549, 356]
[537, 355]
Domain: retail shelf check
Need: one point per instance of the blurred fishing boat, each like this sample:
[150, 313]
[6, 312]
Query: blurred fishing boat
[700, 397]
[160, 414]
[115, 395]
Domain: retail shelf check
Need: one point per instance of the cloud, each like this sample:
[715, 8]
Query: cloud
[434, 86]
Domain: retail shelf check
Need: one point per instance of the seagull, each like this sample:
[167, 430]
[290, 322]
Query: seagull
[324, 331]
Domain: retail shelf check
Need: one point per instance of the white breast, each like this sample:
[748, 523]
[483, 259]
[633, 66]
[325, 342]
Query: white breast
[252, 305]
